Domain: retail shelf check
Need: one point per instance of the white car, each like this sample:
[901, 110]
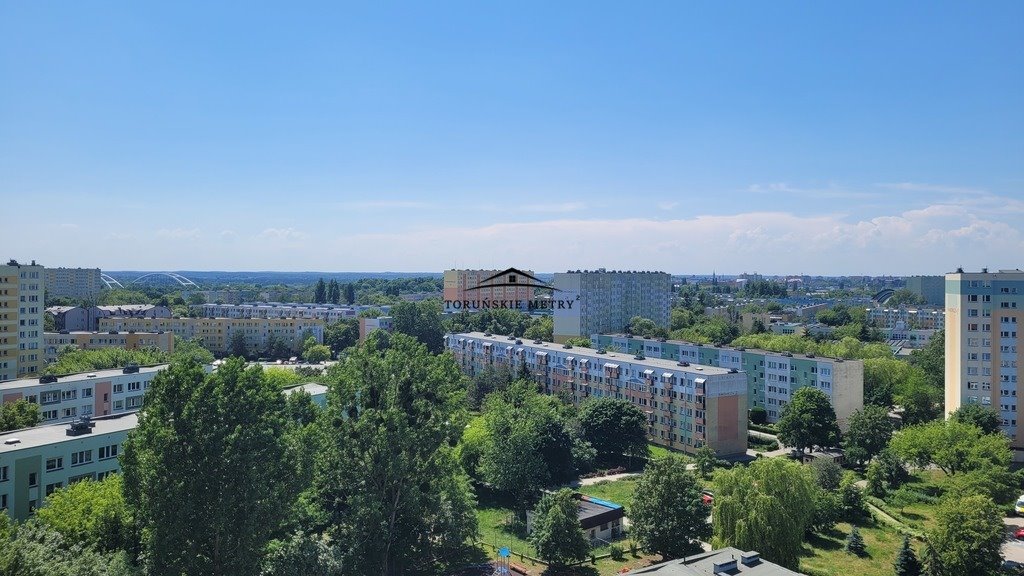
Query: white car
[1019, 506]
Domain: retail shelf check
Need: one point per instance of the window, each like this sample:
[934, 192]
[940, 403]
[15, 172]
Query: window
[81, 457]
[73, 479]
[69, 412]
[3, 473]
[33, 479]
[118, 404]
[134, 386]
[69, 395]
[103, 475]
[3, 501]
[118, 388]
[49, 415]
[50, 488]
[50, 397]
[54, 464]
[87, 393]
[134, 401]
[108, 452]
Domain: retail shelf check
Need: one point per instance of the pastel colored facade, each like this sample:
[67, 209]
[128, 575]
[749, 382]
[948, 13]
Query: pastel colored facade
[687, 405]
[607, 301]
[904, 318]
[99, 393]
[78, 283]
[21, 320]
[369, 325]
[984, 314]
[36, 461]
[329, 313]
[216, 333]
[54, 342]
[458, 285]
[771, 377]
[87, 318]
[931, 288]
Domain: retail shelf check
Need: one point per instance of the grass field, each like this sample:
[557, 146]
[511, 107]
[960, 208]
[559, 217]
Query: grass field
[824, 555]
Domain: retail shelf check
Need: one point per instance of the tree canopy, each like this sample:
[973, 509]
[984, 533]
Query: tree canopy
[667, 514]
[557, 535]
[616, 429]
[869, 432]
[808, 421]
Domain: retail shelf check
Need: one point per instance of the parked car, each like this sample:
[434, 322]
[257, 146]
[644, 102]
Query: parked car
[1019, 534]
[707, 497]
[1019, 506]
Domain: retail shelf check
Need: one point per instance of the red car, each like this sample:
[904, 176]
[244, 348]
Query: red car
[1019, 534]
[707, 497]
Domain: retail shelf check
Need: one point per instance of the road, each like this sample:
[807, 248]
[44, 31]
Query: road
[1013, 549]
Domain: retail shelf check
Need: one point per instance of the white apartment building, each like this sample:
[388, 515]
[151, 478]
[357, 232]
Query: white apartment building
[984, 313]
[605, 301]
[100, 393]
[21, 319]
[79, 283]
[216, 333]
[329, 313]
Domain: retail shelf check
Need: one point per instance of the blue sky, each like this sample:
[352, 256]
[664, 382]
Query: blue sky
[783, 137]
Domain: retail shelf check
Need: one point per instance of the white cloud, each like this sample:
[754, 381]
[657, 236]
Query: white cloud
[830, 192]
[667, 205]
[924, 187]
[282, 234]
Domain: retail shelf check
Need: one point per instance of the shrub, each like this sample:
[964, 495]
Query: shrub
[616, 552]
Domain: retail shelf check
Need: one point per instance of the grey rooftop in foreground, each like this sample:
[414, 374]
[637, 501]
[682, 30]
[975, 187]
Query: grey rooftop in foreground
[79, 377]
[55, 433]
[725, 561]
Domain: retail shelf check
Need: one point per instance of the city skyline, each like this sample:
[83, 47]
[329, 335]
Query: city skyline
[792, 139]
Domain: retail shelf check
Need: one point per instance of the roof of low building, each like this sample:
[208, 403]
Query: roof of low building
[705, 564]
[55, 433]
[80, 377]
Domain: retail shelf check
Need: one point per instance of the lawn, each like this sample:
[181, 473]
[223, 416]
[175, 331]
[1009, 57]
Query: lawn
[494, 515]
[824, 555]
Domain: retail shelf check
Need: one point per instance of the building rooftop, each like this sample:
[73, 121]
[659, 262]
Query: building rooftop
[312, 388]
[75, 378]
[729, 561]
[60, 309]
[54, 433]
[608, 357]
[738, 349]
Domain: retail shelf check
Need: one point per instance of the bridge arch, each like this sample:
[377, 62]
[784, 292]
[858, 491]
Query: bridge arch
[181, 280]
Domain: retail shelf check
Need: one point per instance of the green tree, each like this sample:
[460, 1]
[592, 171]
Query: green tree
[393, 494]
[855, 543]
[341, 334]
[886, 472]
[421, 320]
[985, 418]
[932, 361]
[766, 506]
[667, 514]
[303, 554]
[350, 294]
[869, 432]
[705, 461]
[645, 327]
[333, 292]
[215, 442]
[191, 351]
[904, 297]
[615, 428]
[484, 382]
[237, 345]
[542, 328]
[827, 473]
[32, 549]
[808, 421]
[580, 342]
[967, 536]
[18, 414]
[852, 497]
[828, 509]
[320, 292]
[906, 563]
[557, 535]
[952, 446]
[315, 353]
[921, 402]
[91, 514]
[758, 415]
[902, 497]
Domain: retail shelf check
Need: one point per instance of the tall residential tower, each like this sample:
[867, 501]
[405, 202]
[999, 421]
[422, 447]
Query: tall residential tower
[983, 313]
[21, 320]
[606, 301]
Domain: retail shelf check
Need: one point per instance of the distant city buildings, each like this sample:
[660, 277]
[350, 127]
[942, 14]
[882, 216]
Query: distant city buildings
[462, 285]
[86, 318]
[687, 405]
[931, 288]
[984, 313]
[54, 342]
[216, 333]
[22, 293]
[605, 301]
[329, 313]
[77, 283]
[771, 377]
[370, 325]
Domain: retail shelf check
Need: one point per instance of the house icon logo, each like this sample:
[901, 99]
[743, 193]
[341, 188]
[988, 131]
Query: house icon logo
[512, 277]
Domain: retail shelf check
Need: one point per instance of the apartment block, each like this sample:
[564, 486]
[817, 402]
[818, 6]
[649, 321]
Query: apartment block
[21, 319]
[687, 405]
[461, 285]
[79, 283]
[36, 461]
[54, 342]
[87, 318]
[771, 377]
[931, 288]
[607, 300]
[907, 318]
[984, 313]
[216, 333]
[100, 393]
[329, 313]
[369, 325]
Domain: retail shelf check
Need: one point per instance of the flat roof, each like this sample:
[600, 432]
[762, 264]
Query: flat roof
[312, 388]
[80, 377]
[55, 433]
[736, 349]
[611, 357]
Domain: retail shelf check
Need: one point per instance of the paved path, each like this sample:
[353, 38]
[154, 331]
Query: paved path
[1013, 549]
[610, 478]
